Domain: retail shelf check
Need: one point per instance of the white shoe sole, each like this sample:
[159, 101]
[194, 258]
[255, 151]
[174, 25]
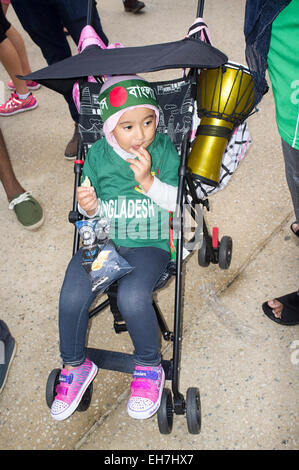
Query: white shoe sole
[73, 406]
[153, 409]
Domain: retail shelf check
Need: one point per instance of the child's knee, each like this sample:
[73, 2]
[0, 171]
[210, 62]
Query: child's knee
[133, 302]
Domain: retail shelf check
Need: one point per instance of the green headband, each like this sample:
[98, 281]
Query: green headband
[124, 95]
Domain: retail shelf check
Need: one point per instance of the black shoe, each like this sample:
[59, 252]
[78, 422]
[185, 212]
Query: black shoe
[71, 150]
[133, 7]
[7, 352]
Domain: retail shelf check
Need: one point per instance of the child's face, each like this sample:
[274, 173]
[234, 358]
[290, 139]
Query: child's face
[136, 128]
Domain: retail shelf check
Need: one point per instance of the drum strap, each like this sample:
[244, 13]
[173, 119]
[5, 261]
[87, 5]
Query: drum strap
[214, 131]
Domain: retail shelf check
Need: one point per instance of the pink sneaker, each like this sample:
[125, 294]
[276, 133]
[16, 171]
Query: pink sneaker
[146, 391]
[70, 390]
[15, 105]
[30, 84]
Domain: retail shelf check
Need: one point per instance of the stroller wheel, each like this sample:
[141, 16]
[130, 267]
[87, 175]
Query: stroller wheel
[193, 410]
[52, 382]
[86, 399]
[203, 254]
[165, 412]
[225, 252]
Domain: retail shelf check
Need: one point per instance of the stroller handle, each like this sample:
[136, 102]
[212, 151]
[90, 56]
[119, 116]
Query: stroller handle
[89, 12]
[200, 7]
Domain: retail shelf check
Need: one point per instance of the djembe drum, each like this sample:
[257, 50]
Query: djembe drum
[225, 98]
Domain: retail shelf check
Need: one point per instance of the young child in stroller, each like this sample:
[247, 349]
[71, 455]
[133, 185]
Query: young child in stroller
[133, 173]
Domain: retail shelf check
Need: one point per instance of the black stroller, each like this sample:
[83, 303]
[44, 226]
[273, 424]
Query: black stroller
[177, 101]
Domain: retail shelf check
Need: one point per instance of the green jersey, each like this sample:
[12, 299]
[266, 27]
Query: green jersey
[135, 219]
[283, 64]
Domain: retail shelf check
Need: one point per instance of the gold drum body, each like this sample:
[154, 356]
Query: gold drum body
[225, 98]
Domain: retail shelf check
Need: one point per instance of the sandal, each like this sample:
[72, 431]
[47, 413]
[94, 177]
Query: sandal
[290, 311]
[297, 231]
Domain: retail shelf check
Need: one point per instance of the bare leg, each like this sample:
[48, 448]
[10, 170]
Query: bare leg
[12, 64]
[7, 176]
[17, 41]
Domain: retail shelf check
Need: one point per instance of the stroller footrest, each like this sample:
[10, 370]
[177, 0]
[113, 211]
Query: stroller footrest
[120, 362]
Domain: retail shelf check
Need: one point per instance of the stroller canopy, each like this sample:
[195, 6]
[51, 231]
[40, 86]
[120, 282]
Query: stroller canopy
[94, 61]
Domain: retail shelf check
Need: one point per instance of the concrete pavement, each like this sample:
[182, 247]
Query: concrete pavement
[245, 366]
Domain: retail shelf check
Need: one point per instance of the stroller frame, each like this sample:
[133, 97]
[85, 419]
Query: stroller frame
[209, 251]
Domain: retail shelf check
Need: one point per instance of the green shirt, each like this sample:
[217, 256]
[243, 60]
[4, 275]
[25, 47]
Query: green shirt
[135, 219]
[283, 64]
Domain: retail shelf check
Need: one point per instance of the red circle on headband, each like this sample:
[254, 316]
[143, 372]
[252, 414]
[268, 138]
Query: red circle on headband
[118, 96]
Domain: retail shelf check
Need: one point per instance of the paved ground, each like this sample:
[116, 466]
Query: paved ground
[245, 366]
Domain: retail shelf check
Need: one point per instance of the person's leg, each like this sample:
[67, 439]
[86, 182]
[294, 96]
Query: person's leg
[291, 158]
[17, 41]
[135, 301]
[28, 211]
[42, 22]
[75, 299]
[74, 16]
[9, 55]
[19, 45]
[78, 371]
[12, 64]
[7, 176]
[22, 100]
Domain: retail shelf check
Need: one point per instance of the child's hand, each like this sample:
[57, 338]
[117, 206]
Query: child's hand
[87, 199]
[142, 168]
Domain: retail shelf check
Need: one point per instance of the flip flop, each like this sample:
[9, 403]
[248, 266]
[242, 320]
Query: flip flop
[290, 311]
[294, 232]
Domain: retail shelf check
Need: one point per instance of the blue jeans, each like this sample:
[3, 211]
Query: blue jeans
[134, 299]
[44, 20]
